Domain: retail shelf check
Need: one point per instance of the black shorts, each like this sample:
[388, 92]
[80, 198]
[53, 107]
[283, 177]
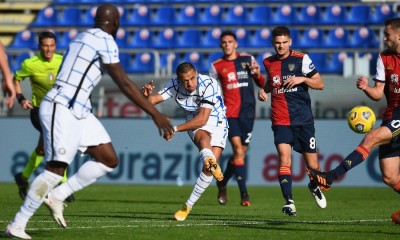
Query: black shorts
[242, 127]
[391, 149]
[301, 138]
[35, 119]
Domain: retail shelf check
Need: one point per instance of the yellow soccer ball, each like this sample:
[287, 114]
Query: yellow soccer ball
[361, 119]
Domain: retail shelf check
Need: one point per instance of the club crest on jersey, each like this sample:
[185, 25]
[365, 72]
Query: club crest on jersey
[291, 66]
[244, 65]
[394, 78]
[276, 80]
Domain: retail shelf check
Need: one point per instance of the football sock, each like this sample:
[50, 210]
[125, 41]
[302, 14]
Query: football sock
[38, 190]
[65, 178]
[205, 152]
[229, 171]
[33, 163]
[202, 182]
[240, 172]
[352, 160]
[87, 174]
[285, 181]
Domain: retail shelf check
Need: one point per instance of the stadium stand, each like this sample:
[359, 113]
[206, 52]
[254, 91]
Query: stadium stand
[197, 59]
[181, 25]
[139, 16]
[24, 39]
[211, 16]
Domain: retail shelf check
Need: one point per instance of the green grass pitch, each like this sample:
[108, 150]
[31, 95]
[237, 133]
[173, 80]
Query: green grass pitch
[146, 212]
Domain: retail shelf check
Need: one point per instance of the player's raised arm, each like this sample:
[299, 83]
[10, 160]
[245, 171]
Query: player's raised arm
[130, 90]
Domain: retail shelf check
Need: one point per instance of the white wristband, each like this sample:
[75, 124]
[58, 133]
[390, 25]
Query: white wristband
[175, 129]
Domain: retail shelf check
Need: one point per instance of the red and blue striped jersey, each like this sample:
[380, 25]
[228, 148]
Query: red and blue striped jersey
[289, 107]
[237, 85]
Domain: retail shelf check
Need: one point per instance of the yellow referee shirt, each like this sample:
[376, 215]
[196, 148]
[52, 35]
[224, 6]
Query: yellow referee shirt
[41, 73]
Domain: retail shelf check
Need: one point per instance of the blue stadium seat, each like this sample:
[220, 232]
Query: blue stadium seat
[87, 18]
[140, 63]
[188, 15]
[318, 59]
[309, 14]
[242, 37]
[283, 15]
[211, 38]
[311, 38]
[261, 56]
[24, 39]
[212, 57]
[295, 36]
[189, 38]
[164, 16]
[19, 58]
[260, 15]
[358, 14]
[211, 15]
[139, 16]
[235, 15]
[336, 38]
[142, 38]
[334, 62]
[261, 38]
[198, 61]
[381, 13]
[121, 38]
[360, 38]
[46, 17]
[333, 14]
[68, 16]
[169, 58]
[372, 58]
[166, 38]
[65, 38]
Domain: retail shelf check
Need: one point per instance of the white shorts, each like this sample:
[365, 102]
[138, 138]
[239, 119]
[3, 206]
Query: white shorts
[64, 134]
[218, 135]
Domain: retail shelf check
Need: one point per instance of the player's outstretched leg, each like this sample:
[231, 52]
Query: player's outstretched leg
[319, 197]
[323, 179]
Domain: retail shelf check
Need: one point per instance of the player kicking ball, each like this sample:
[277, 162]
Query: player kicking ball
[200, 96]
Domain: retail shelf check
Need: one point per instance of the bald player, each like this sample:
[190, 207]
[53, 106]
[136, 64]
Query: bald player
[69, 126]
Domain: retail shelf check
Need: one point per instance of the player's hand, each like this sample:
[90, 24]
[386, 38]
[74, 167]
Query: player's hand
[26, 104]
[362, 83]
[9, 95]
[148, 88]
[255, 69]
[164, 125]
[293, 81]
[262, 95]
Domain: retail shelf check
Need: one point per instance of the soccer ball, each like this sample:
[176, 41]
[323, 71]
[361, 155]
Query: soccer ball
[361, 119]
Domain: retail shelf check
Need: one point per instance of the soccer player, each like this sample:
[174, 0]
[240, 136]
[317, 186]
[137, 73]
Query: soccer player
[236, 73]
[41, 69]
[69, 125]
[289, 76]
[7, 86]
[200, 96]
[387, 135]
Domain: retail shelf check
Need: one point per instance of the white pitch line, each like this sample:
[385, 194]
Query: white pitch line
[191, 223]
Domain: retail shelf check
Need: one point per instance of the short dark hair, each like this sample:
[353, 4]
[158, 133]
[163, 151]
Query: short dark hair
[46, 34]
[184, 68]
[394, 22]
[227, 33]
[280, 31]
